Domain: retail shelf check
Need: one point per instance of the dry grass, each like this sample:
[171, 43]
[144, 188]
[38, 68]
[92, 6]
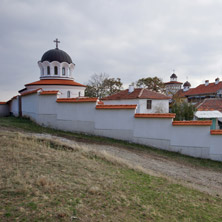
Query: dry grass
[44, 180]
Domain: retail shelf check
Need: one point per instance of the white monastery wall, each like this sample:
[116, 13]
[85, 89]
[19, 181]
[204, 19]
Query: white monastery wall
[30, 106]
[78, 117]
[4, 110]
[122, 124]
[117, 123]
[158, 106]
[154, 132]
[15, 106]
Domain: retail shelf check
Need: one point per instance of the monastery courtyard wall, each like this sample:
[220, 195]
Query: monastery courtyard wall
[193, 138]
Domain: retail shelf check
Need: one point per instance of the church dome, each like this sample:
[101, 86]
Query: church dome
[173, 76]
[187, 84]
[56, 55]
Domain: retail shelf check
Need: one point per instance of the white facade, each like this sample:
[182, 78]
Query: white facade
[15, 106]
[157, 105]
[64, 70]
[65, 91]
[4, 110]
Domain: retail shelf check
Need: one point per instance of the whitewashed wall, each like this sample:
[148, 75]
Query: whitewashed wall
[121, 124]
[14, 109]
[74, 90]
[158, 106]
[4, 110]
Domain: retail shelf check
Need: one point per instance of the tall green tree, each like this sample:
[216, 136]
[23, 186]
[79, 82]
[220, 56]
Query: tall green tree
[183, 110]
[100, 85]
[151, 83]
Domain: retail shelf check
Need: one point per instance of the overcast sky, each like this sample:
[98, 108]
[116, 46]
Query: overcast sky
[129, 39]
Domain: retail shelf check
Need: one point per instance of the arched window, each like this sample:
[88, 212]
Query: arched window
[43, 71]
[56, 70]
[68, 94]
[48, 70]
[79, 94]
[63, 71]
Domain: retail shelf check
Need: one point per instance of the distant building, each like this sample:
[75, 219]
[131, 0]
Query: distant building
[173, 86]
[146, 100]
[203, 91]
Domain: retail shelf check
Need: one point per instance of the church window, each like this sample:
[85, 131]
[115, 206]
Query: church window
[79, 94]
[149, 104]
[68, 94]
[56, 70]
[48, 70]
[63, 71]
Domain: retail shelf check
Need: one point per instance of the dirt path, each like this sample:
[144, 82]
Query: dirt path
[209, 181]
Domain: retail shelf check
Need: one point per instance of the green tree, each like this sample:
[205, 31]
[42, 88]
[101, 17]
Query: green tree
[100, 85]
[183, 110]
[151, 83]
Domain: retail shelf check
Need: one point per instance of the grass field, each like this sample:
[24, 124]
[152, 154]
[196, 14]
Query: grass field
[43, 180]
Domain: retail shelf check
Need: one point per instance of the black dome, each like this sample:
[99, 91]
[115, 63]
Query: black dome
[173, 76]
[187, 84]
[56, 55]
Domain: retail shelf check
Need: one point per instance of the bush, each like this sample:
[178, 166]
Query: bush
[183, 110]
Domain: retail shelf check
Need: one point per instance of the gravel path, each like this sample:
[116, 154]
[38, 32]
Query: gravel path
[209, 181]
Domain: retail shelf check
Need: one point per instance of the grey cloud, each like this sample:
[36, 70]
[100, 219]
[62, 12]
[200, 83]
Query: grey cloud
[128, 39]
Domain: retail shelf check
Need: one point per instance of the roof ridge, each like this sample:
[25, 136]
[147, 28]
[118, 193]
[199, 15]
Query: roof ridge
[141, 92]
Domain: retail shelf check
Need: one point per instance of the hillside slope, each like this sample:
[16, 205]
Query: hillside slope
[49, 180]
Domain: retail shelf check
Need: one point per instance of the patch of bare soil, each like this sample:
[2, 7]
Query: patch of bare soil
[199, 178]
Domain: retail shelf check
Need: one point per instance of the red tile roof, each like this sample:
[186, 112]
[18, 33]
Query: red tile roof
[173, 82]
[193, 123]
[138, 93]
[216, 132]
[182, 94]
[116, 106]
[155, 115]
[210, 104]
[76, 100]
[202, 89]
[55, 82]
[3, 103]
[53, 92]
[30, 92]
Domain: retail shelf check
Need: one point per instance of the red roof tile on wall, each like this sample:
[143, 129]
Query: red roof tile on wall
[192, 123]
[55, 82]
[30, 92]
[216, 132]
[202, 89]
[116, 106]
[155, 115]
[53, 92]
[3, 103]
[138, 93]
[76, 100]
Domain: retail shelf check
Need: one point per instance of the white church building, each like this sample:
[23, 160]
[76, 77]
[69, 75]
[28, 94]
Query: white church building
[56, 73]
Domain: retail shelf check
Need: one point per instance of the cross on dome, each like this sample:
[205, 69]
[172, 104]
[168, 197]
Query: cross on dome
[56, 41]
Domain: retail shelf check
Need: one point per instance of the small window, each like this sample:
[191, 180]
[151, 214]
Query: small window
[56, 70]
[68, 94]
[63, 71]
[79, 94]
[48, 70]
[149, 104]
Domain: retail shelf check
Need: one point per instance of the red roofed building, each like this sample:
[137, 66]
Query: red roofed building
[203, 91]
[147, 101]
[210, 105]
